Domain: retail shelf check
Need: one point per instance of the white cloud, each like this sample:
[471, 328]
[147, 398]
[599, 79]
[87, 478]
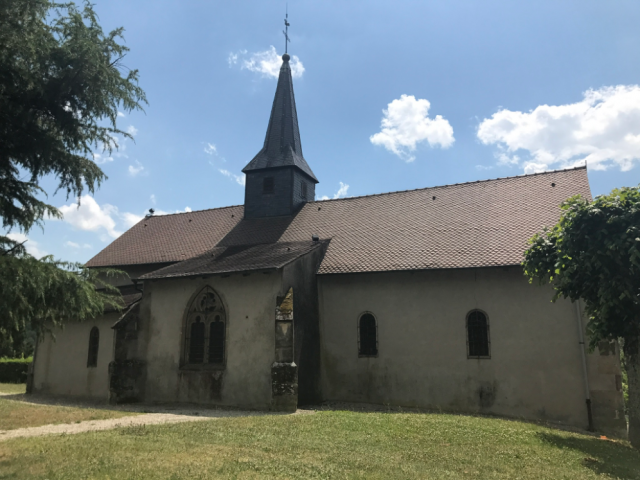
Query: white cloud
[153, 198]
[101, 158]
[603, 129]
[71, 244]
[30, 245]
[91, 216]
[163, 212]
[266, 63]
[342, 192]
[210, 149]
[406, 123]
[134, 171]
[484, 167]
[130, 219]
[240, 179]
[131, 130]
[120, 114]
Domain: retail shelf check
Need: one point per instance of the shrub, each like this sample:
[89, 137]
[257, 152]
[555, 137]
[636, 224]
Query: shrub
[14, 370]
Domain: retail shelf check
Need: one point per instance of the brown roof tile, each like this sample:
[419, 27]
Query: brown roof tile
[239, 258]
[169, 238]
[476, 224]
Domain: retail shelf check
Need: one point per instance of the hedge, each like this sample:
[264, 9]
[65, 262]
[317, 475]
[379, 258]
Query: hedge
[14, 370]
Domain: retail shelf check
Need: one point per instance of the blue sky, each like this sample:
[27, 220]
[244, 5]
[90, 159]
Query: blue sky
[390, 96]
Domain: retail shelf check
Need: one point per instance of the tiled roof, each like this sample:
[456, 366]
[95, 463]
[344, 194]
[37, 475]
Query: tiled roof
[130, 295]
[240, 258]
[476, 224]
[169, 238]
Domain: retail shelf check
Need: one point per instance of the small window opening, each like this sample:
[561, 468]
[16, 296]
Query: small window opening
[94, 344]
[196, 343]
[268, 185]
[303, 190]
[368, 335]
[477, 334]
[216, 341]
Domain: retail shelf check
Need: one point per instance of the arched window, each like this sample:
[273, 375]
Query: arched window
[367, 336]
[205, 329]
[94, 343]
[477, 335]
[216, 340]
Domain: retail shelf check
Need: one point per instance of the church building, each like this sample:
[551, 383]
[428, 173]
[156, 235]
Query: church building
[414, 298]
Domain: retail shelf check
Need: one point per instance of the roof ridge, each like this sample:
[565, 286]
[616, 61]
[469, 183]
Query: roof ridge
[192, 211]
[452, 184]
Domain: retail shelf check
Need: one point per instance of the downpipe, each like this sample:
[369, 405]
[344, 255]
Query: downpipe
[587, 390]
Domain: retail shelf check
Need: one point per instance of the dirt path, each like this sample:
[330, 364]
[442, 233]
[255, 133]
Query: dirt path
[95, 425]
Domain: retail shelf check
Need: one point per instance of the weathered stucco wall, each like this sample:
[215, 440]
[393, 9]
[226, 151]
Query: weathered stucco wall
[245, 380]
[534, 372]
[60, 365]
[301, 275]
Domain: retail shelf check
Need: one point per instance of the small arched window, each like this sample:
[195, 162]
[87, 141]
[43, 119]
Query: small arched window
[94, 344]
[205, 330]
[477, 335]
[367, 336]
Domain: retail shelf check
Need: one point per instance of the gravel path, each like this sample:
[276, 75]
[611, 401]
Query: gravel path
[145, 419]
[161, 415]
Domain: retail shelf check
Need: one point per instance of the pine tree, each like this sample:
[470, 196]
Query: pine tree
[62, 82]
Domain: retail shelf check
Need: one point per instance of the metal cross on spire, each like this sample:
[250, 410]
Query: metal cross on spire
[286, 30]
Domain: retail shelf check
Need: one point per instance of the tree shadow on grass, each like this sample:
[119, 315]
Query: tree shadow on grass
[606, 457]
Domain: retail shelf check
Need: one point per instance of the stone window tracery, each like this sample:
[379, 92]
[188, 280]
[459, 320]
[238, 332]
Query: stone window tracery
[205, 330]
[477, 335]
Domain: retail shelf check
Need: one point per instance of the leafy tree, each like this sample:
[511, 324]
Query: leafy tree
[593, 254]
[61, 85]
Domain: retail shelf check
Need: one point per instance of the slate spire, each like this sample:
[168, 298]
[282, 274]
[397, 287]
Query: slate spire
[282, 146]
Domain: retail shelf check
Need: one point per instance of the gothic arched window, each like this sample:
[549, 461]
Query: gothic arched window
[205, 330]
[94, 344]
[367, 336]
[477, 335]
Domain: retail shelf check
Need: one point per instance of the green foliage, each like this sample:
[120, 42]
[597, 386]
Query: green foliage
[26, 360]
[42, 294]
[13, 371]
[60, 77]
[61, 85]
[593, 253]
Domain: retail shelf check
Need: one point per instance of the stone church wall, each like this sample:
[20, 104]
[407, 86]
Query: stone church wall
[60, 365]
[245, 380]
[535, 369]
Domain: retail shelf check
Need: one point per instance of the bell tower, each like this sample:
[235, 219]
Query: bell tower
[279, 180]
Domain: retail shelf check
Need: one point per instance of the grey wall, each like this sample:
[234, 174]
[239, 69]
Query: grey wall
[245, 380]
[287, 196]
[299, 199]
[534, 372]
[60, 365]
[301, 275]
[257, 204]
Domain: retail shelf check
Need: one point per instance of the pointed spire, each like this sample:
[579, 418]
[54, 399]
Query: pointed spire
[282, 143]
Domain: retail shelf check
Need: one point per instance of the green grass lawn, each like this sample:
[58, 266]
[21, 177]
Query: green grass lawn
[18, 414]
[324, 445]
